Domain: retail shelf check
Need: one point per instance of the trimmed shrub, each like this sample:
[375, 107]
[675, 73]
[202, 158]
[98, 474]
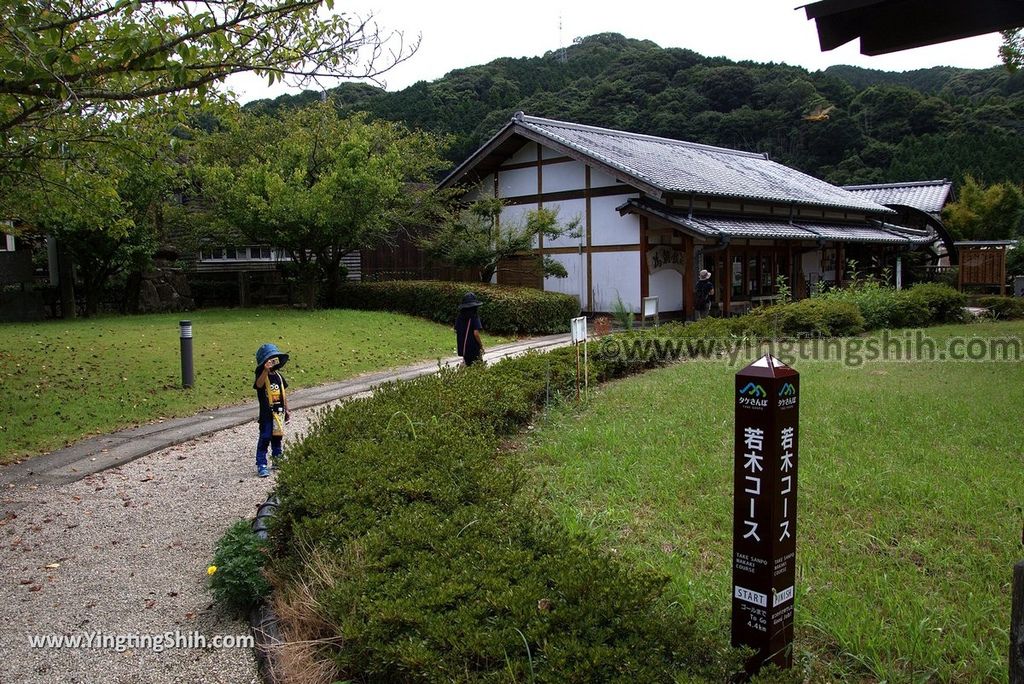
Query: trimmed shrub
[1005, 308]
[818, 316]
[945, 304]
[883, 307]
[443, 566]
[505, 310]
[447, 568]
[237, 579]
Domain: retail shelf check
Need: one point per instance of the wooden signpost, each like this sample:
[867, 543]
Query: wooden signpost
[764, 511]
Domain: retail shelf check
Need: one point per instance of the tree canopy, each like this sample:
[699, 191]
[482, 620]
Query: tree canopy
[70, 69]
[480, 237]
[319, 186]
[994, 212]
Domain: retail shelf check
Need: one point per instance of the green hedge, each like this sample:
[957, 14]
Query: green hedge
[1007, 308]
[945, 304]
[408, 531]
[505, 310]
[443, 567]
[819, 316]
[885, 307]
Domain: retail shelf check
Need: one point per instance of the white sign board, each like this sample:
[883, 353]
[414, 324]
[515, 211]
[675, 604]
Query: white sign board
[650, 306]
[579, 329]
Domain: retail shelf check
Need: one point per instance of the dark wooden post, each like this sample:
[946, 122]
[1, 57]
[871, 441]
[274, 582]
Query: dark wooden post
[764, 511]
[727, 285]
[689, 277]
[1017, 626]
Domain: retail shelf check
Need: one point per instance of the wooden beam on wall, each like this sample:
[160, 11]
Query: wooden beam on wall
[645, 284]
[689, 282]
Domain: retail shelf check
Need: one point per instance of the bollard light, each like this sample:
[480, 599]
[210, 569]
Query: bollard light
[187, 368]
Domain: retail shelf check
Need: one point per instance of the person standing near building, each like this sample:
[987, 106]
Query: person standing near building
[705, 295]
[467, 330]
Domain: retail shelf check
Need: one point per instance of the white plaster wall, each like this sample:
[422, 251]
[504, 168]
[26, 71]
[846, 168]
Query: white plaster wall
[550, 153]
[564, 176]
[576, 282]
[599, 179]
[667, 286]
[526, 153]
[607, 227]
[616, 273]
[517, 182]
[567, 211]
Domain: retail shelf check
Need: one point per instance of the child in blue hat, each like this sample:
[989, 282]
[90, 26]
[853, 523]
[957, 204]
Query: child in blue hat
[270, 388]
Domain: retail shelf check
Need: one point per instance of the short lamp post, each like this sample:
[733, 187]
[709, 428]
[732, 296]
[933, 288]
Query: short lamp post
[187, 367]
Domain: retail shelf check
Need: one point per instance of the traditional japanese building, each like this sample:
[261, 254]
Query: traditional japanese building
[654, 212]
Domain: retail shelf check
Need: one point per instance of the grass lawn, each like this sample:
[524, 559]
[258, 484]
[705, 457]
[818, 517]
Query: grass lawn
[67, 379]
[910, 503]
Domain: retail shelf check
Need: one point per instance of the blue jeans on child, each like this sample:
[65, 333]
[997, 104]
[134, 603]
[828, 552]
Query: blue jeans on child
[267, 439]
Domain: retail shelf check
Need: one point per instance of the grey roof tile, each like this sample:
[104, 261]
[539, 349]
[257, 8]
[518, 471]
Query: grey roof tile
[767, 229]
[683, 167]
[928, 196]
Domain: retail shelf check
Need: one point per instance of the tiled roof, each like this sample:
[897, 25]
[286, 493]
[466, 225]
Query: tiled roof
[928, 196]
[767, 229]
[682, 167]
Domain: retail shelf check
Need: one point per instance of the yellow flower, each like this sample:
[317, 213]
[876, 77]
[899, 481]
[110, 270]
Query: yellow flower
[212, 569]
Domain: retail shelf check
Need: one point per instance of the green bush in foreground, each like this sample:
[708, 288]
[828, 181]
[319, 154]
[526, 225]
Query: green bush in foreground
[883, 307]
[825, 317]
[506, 310]
[442, 567]
[237, 579]
[945, 304]
[1005, 308]
[445, 568]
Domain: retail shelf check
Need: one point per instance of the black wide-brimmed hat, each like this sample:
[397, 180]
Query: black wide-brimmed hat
[469, 301]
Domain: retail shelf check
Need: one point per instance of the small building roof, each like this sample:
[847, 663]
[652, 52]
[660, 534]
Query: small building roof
[741, 227]
[660, 166]
[928, 196]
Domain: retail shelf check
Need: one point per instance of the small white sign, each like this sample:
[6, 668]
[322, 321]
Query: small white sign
[579, 329]
[650, 306]
[750, 596]
[782, 596]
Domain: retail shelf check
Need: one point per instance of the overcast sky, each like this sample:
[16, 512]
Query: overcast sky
[460, 34]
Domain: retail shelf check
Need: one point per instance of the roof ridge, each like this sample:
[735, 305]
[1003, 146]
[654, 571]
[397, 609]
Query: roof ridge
[904, 184]
[521, 117]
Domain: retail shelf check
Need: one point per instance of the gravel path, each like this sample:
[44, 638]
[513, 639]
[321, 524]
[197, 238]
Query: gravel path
[125, 552]
[122, 552]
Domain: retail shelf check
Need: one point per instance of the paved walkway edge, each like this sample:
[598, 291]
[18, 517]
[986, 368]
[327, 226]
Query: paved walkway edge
[95, 454]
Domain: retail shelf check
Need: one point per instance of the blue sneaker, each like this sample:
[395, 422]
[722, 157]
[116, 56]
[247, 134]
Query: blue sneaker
[263, 471]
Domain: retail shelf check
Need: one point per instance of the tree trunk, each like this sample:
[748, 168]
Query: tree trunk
[333, 279]
[66, 271]
[130, 300]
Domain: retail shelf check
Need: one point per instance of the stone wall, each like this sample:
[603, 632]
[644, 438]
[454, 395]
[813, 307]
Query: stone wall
[164, 287]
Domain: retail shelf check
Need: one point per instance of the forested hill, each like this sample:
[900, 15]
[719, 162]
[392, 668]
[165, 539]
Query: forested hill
[844, 124]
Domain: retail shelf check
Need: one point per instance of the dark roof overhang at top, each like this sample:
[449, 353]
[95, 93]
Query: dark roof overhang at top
[661, 167]
[726, 228]
[885, 26]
